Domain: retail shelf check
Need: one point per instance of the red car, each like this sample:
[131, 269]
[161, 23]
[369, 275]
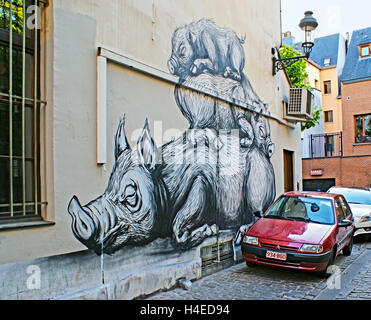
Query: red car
[301, 230]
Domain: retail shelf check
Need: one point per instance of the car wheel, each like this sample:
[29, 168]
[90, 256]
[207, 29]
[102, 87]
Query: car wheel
[325, 273]
[250, 264]
[347, 251]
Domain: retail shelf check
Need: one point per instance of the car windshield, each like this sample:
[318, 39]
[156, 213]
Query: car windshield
[311, 210]
[354, 195]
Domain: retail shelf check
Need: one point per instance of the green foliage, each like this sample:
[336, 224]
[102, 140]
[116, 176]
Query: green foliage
[17, 15]
[312, 123]
[296, 70]
[298, 75]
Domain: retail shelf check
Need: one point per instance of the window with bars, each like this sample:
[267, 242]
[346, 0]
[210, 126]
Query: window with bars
[19, 110]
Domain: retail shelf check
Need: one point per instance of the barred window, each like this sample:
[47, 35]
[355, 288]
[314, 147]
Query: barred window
[19, 110]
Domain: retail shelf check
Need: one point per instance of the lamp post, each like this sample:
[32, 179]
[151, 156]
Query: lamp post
[307, 24]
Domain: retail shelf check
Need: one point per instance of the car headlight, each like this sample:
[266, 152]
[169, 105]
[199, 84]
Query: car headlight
[251, 240]
[311, 248]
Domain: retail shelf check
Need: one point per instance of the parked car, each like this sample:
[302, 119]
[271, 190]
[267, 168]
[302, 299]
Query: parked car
[359, 200]
[301, 230]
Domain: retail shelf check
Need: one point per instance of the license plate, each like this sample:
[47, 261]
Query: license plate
[276, 255]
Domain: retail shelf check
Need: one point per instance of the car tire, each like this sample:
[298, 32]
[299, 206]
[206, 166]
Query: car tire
[347, 251]
[250, 264]
[325, 273]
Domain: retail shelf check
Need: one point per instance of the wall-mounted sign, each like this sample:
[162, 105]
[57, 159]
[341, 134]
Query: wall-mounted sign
[316, 172]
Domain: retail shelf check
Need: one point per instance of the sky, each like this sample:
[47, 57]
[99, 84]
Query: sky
[333, 16]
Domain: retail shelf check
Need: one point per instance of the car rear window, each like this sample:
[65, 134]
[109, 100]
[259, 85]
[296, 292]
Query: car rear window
[315, 210]
[354, 195]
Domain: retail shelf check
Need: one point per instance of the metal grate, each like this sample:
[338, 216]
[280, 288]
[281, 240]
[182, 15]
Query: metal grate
[20, 106]
[216, 257]
[282, 248]
[296, 99]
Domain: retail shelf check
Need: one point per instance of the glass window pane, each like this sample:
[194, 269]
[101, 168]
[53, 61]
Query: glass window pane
[4, 185]
[23, 178]
[339, 210]
[4, 129]
[359, 129]
[365, 51]
[368, 127]
[17, 72]
[17, 15]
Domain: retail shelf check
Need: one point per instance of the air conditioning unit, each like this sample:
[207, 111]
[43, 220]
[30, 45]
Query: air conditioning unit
[300, 106]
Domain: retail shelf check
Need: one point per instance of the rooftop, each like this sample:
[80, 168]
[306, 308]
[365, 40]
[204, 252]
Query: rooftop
[326, 51]
[357, 68]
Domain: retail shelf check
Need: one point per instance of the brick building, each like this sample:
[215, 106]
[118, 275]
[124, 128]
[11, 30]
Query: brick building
[352, 167]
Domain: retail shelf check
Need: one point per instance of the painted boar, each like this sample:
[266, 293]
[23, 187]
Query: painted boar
[203, 111]
[175, 191]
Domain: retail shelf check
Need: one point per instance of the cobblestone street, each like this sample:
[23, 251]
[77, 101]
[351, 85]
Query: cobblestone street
[265, 283]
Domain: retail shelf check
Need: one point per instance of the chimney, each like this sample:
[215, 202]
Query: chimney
[347, 39]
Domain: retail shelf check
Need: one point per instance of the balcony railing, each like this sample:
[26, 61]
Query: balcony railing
[325, 145]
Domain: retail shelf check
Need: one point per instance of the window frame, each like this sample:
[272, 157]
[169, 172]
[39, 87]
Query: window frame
[363, 46]
[19, 213]
[363, 133]
[327, 84]
[329, 119]
[327, 62]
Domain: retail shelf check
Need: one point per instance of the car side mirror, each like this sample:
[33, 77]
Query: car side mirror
[345, 223]
[258, 214]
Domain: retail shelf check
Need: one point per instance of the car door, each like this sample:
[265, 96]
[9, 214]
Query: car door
[341, 232]
[348, 215]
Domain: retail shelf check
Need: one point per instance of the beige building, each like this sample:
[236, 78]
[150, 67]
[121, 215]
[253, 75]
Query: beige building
[96, 61]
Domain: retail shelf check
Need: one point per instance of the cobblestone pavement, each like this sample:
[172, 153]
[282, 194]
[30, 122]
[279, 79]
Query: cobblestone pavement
[266, 283]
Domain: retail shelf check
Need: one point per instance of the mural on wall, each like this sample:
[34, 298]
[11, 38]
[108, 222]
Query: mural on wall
[216, 176]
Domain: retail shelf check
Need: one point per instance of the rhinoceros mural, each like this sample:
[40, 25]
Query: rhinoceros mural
[216, 176]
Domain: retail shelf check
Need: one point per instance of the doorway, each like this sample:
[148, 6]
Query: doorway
[288, 167]
[321, 185]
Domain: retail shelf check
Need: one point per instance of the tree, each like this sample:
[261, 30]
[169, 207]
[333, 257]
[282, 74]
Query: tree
[297, 72]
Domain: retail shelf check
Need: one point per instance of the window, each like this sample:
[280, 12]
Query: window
[19, 110]
[327, 87]
[327, 62]
[329, 145]
[339, 211]
[365, 50]
[344, 205]
[363, 128]
[329, 116]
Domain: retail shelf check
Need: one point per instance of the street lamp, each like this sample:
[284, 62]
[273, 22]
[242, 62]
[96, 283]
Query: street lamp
[307, 24]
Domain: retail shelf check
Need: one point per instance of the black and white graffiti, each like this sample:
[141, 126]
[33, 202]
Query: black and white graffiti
[216, 176]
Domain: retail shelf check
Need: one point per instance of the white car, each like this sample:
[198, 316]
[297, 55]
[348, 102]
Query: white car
[359, 200]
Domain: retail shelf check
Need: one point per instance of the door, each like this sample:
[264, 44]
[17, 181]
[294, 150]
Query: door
[288, 167]
[348, 215]
[341, 233]
[318, 184]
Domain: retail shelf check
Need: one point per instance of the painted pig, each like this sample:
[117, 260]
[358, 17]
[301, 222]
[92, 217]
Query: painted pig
[203, 111]
[128, 210]
[188, 196]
